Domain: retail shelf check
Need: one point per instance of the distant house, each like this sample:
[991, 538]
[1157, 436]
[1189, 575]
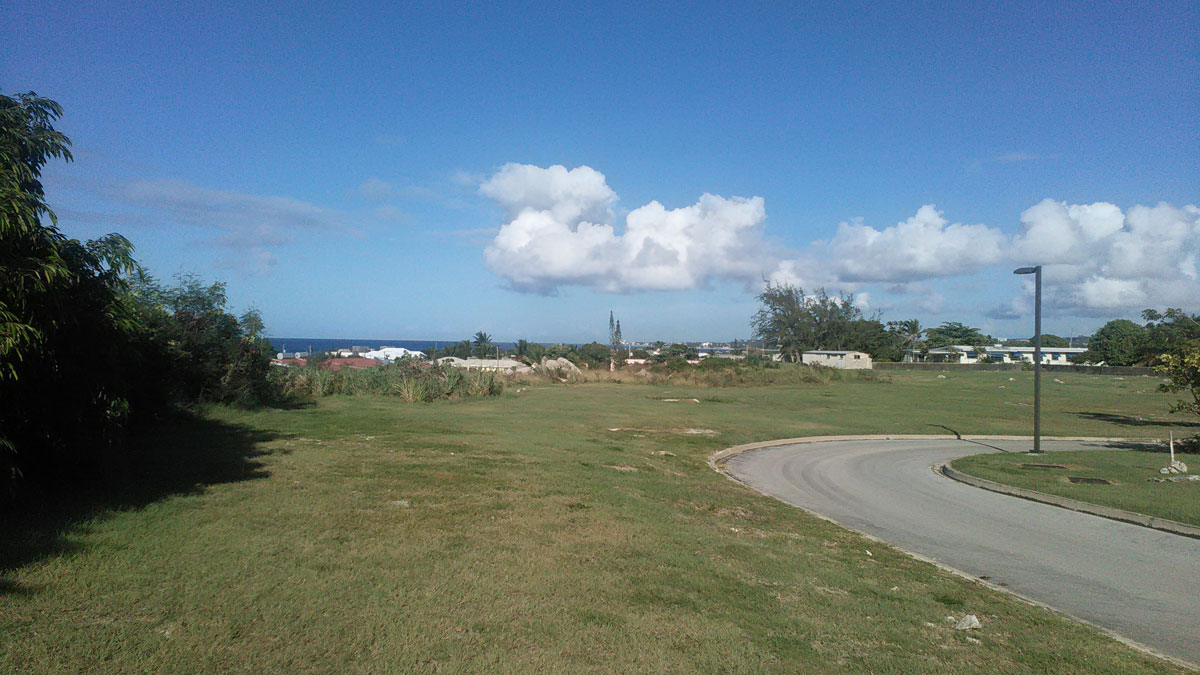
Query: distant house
[837, 359]
[393, 353]
[991, 354]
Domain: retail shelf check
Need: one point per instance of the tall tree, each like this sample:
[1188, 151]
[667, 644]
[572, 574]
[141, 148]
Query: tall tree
[955, 333]
[1165, 331]
[1119, 342]
[481, 345]
[65, 326]
[794, 322]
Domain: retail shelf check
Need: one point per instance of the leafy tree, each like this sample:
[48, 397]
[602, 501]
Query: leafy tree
[909, 331]
[1051, 340]
[873, 337]
[794, 322]
[203, 352]
[1119, 342]
[681, 351]
[459, 350]
[595, 355]
[86, 338]
[535, 353]
[955, 333]
[481, 345]
[1182, 368]
[1166, 331]
[66, 332]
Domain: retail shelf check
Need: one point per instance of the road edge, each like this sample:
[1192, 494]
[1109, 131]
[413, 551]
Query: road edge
[1131, 517]
[719, 459]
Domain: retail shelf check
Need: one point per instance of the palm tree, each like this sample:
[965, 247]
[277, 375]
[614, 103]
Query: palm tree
[481, 345]
[910, 330]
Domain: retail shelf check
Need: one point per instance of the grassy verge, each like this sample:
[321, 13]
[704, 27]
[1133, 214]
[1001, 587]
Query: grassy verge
[573, 527]
[1127, 471]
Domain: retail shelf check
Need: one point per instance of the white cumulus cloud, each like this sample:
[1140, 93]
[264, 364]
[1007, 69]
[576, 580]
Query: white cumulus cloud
[924, 246]
[1100, 260]
[561, 231]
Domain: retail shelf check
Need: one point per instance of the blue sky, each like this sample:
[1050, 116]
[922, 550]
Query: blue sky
[386, 171]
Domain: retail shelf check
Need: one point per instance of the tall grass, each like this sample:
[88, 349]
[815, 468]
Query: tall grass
[410, 381]
[716, 373]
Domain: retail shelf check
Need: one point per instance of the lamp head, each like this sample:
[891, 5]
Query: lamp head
[1025, 270]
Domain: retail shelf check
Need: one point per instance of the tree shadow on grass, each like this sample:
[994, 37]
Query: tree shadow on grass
[181, 456]
[1131, 421]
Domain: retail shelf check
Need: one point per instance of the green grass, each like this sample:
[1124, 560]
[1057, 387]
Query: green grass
[519, 534]
[1128, 472]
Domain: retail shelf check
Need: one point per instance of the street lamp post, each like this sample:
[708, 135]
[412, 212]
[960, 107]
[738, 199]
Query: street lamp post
[1036, 271]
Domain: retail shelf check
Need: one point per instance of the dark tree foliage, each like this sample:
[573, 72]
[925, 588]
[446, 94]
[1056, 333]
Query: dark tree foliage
[481, 345]
[955, 333]
[205, 354]
[1166, 332]
[65, 348]
[1119, 342]
[1182, 368]
[1051, 340]
[86, 341]
[794, 322]
[594, 355]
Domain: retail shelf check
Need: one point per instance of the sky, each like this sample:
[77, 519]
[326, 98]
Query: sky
[424, 171]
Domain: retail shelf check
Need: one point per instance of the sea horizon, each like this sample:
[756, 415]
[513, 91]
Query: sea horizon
[303, 344]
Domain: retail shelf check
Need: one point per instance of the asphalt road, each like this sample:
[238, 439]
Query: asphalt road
[1140, 583]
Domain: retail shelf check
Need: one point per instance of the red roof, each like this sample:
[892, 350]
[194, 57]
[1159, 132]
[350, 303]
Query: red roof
[355, 362]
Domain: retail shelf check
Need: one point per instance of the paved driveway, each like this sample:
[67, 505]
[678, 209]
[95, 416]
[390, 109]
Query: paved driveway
[1140, 583]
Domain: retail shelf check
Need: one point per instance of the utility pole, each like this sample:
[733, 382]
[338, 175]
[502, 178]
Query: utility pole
[1036, 271]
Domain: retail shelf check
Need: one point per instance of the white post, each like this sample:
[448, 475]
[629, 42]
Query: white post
[1172, 442]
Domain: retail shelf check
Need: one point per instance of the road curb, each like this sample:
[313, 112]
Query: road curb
[718, 459]
[1161, 524]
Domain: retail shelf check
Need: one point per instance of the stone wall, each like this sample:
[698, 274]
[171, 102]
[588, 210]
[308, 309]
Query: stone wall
[1124, 371]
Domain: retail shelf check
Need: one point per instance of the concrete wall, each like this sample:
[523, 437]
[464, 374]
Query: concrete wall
[1126, 371]
[837, 361]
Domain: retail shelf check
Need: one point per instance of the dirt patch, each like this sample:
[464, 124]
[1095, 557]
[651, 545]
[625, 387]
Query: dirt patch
[735, 512]
[686, 432]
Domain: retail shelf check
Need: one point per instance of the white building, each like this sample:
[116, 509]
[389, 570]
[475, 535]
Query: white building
[393, 353]
[992, 354]
[836, 359]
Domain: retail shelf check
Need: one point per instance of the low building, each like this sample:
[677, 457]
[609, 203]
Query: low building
[966, 354]
[393, 353]
[836, 359]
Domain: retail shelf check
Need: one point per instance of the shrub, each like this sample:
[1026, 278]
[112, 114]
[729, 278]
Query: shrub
[408, 380]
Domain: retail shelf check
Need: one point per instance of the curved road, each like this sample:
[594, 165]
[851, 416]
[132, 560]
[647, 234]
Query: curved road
[1137, 582]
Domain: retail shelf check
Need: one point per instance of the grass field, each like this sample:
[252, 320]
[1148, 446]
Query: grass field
[570, 527]
[1127, 472]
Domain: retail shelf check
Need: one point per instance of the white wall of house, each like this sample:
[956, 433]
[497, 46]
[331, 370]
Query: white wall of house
[832, 359]
[993, 354]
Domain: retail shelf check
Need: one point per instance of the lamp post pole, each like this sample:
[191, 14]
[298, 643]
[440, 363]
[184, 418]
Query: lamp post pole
[1036, 271]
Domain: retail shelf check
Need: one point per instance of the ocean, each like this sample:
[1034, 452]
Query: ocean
[290, 344]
